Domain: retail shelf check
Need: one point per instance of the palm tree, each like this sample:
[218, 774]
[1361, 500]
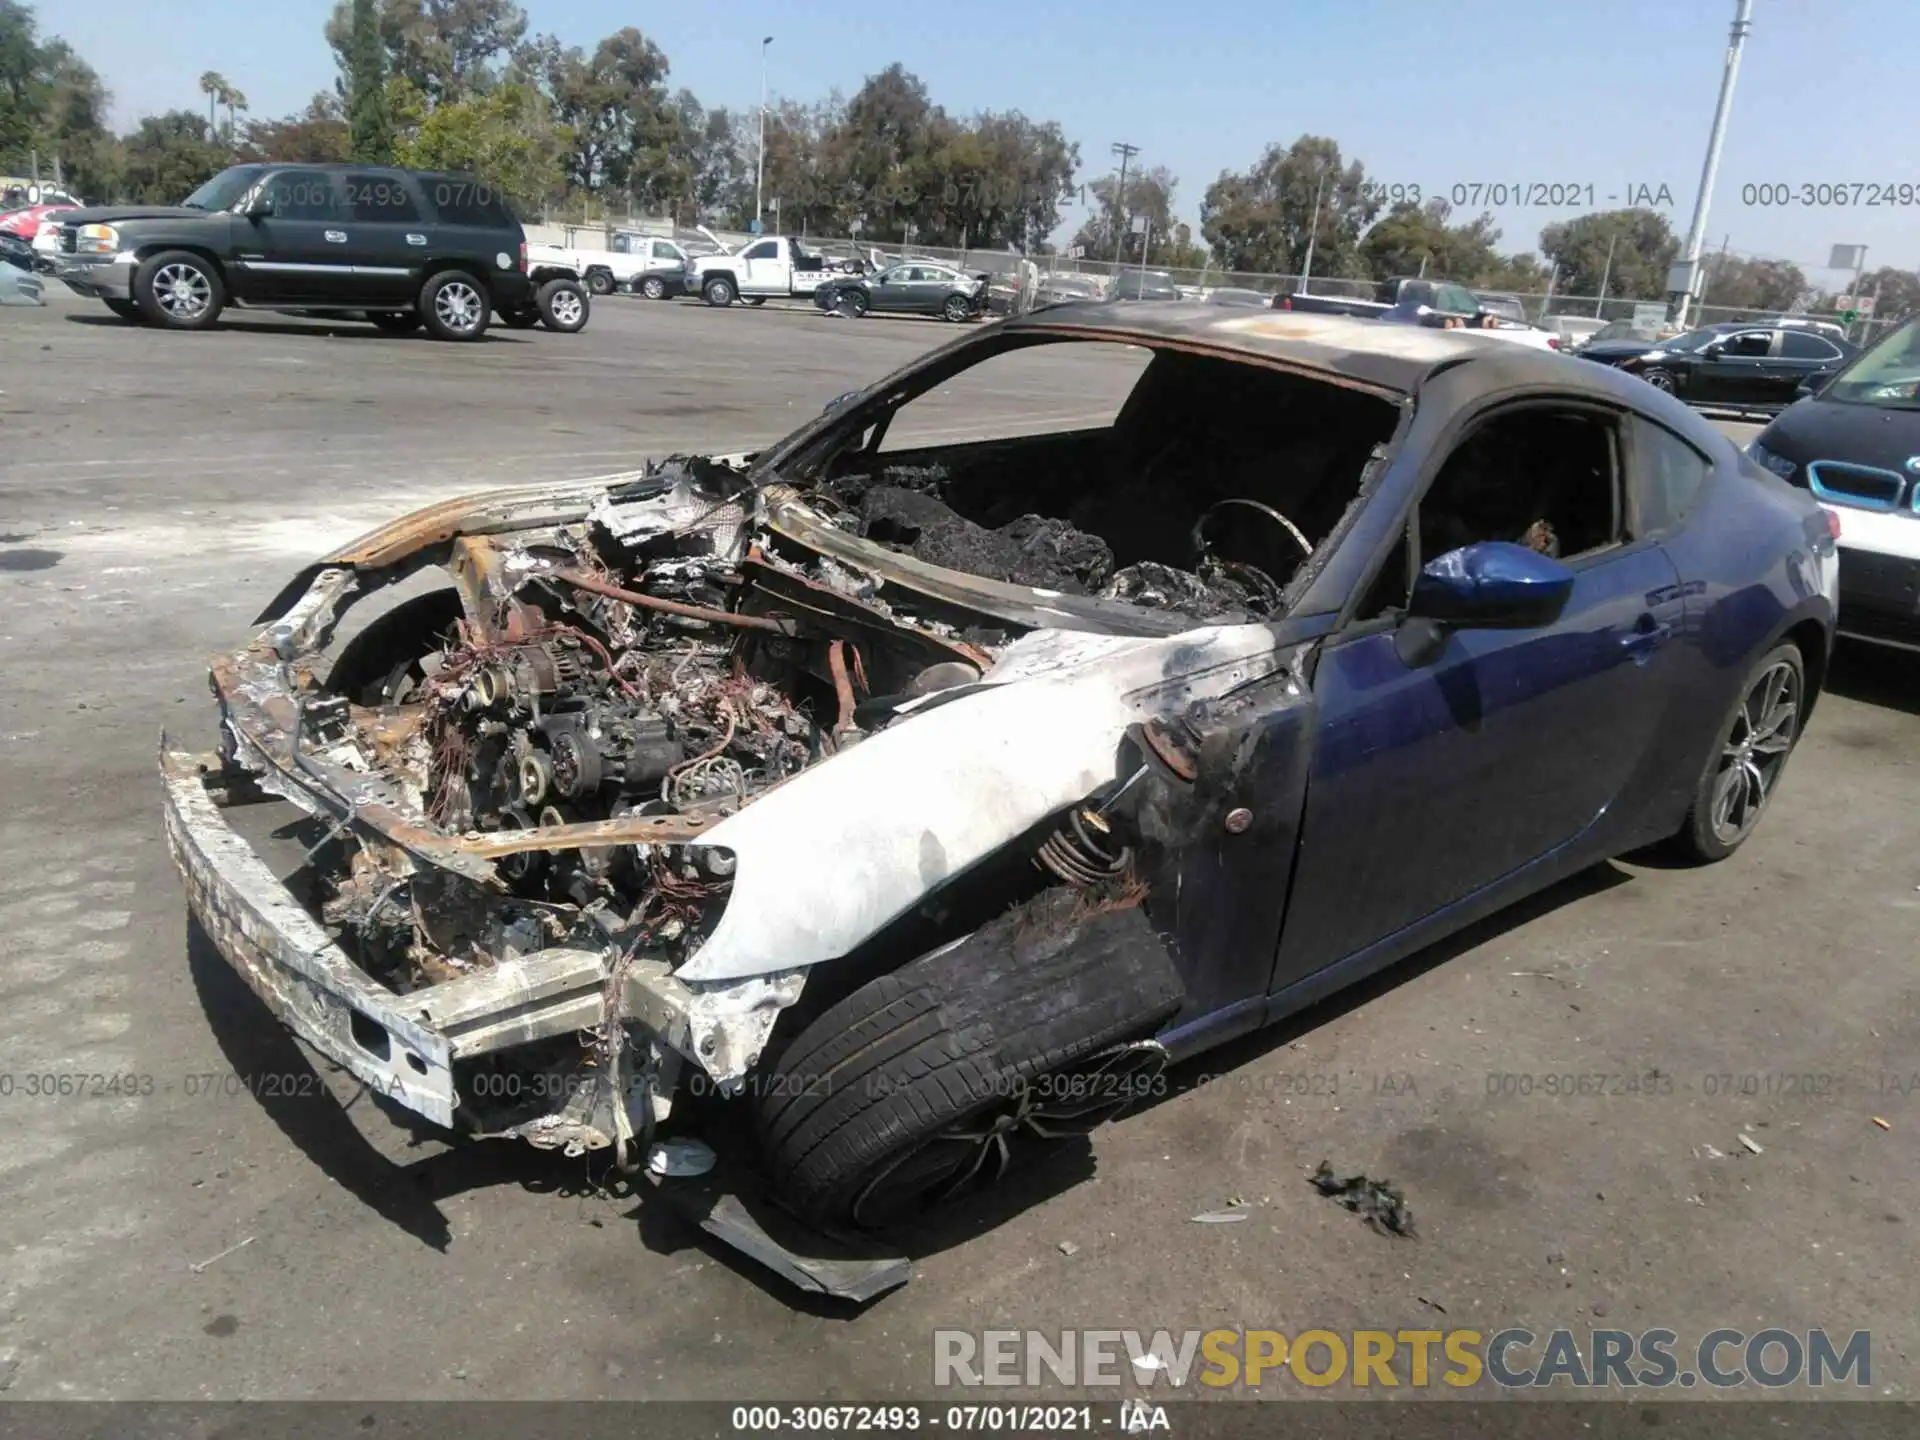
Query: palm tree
[234, 100]
[213, 85]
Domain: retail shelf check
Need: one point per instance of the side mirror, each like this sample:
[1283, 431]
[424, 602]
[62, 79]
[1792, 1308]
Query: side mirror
[841, 401]
[1715, 350]
[1491, 585]
[259, 207]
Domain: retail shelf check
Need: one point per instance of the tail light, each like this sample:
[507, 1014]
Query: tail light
[523, 255]
[1833, 522]
[1553, 342]
[1287, 304]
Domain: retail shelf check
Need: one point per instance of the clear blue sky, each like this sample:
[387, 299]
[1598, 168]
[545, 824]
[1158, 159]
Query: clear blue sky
[1612, 93]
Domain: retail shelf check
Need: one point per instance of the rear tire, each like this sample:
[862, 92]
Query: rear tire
[719, 291]
[179, 290]
[454, 306]
[563, 306]
[1750, 753]
[918, 1083]
[395, 322]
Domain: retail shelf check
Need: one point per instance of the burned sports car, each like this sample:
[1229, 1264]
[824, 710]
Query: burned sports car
[914, 803]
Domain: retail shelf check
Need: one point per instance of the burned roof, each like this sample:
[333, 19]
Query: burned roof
[1379, 353]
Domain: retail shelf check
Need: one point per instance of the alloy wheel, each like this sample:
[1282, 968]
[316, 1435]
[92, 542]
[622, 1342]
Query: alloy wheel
[183, 291]
[1660, 380]
[458, 305]
[1764, 729]
[566, 307]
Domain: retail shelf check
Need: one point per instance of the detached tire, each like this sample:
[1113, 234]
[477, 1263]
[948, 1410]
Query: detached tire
[562, 306]
[454, 306]
[719, 291]
[179, 290]
[394, 322]
[919, 1083]
[1750, 753]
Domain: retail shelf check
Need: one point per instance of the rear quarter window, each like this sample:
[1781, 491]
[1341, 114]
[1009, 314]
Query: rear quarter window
[461, 200]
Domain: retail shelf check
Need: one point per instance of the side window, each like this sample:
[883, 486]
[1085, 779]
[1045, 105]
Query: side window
[664, 251]
[1751, 344]
[1456, 300]
[1799, 345]
[1669, 474]
[765, 250]
[306, 195]
[379, 198]
[458, 200]
[1541, 477]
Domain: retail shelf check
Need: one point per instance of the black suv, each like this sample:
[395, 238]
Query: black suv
[405, 247]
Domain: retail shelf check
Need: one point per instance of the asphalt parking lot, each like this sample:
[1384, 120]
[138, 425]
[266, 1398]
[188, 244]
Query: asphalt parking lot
[206, 1234]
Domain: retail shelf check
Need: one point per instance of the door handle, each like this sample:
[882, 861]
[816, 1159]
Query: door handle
[1647, 636]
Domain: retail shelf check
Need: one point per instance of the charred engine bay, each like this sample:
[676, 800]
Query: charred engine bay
[658, 659]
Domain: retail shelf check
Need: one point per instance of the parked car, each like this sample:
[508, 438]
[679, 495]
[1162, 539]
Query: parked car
[1057, 289]
[1403, 292]
[406, 248]
[649, 265]
[918, 288]
[1738, 365]
[1855, 444]
[1245, 299]
[919, 799]
[1573, 330]
[1507, 307]
[560, 293]
[1136, 285]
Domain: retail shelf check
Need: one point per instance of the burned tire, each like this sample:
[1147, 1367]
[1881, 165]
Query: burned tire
[921, 1083]
[395, 322]
[179, 290]
[1750, 753]
[719, 291]
[562, 306]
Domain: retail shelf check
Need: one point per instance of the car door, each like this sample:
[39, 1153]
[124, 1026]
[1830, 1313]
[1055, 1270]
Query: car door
[300, 251]
[1735, 369]
[891, 289]
[388, 237]
[1802, 353]
[1436, 776]
[664, 256]
[762, 270]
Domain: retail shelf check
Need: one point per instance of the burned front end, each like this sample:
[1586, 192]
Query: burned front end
[587, 811]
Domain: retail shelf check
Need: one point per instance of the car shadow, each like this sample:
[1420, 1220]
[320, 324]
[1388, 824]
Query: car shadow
[272, 1070]
[1876, 674]
[333, 329]
[1191, 1073]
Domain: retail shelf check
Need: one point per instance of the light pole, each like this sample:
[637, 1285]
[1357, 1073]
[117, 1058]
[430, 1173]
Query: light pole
[1126, 152]
[1313, 231]
[760, 168]
[1697, 232]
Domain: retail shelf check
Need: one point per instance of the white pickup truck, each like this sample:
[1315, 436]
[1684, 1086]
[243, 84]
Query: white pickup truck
[774, 267]
[649, 265]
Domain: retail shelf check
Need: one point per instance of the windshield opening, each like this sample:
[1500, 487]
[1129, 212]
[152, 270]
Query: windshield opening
[224, 190]
[1158, 478]
[1886, 376]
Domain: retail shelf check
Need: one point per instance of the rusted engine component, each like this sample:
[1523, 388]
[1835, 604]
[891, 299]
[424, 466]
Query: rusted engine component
[1084, 851]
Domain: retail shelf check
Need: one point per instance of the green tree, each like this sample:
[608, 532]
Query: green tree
[213, 85]
[447, 49]
[1642, 245]
[169, 157]
[1150, 194]
[1744, 284]
[1261, 219]
[369, 127]
[317, 136]
[506, 138]
[1896, 293]
[23, 91]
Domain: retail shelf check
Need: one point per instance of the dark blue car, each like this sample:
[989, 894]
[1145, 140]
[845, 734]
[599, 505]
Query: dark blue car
[1103, 685]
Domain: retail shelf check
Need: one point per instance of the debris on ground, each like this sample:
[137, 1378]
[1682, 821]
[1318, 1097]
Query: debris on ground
[1883, 1124]
[1374, 1201]
[1219, 1217]
[1067, 1247]
[202, 1265]
[1751, 1143]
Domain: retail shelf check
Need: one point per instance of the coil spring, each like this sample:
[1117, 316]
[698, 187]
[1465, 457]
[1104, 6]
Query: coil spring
[1082, 851]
